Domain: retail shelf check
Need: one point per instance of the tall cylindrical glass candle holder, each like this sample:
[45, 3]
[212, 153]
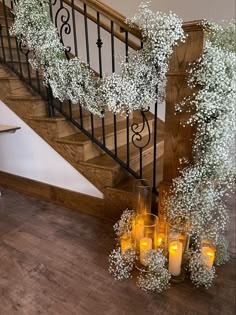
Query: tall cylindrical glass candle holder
[178, 242]
[160, 241]
[145, 231]
[208, 252]
[142, 194]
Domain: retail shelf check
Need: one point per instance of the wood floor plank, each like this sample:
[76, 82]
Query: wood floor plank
[53, 261]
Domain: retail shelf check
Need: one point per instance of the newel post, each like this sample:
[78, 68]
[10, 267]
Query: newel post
[178, 139]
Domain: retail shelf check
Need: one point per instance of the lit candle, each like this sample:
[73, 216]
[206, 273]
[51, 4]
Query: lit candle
[139, 230]
[208, 255]
[175, 257]
[125, 244]
[159, 240]
[145, 246]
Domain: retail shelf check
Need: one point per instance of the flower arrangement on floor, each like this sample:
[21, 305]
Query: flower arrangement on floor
[191, 239]
[132, 89]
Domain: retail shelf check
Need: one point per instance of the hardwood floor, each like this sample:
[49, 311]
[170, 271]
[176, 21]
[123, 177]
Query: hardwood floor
[54, 261]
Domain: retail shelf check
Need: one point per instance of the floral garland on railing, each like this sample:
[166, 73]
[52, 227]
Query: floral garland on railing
[198, 194]
[135, 87]
[196, 200]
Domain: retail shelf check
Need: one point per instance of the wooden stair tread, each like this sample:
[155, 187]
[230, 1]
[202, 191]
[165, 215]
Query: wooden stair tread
[80, 138]
[48, 119]
[106, 162]
[22, 97]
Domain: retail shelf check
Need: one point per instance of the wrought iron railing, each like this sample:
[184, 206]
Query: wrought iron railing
[92, 30]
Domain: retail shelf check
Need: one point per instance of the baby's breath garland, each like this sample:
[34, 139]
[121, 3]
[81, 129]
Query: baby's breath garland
[139, 79]
[198, 194]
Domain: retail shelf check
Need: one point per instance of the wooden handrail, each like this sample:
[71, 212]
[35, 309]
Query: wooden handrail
[112, 15]
[105, 26]
[119, 19]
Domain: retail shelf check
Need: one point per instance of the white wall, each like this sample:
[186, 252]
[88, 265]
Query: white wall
[187, 9]
[25, 154]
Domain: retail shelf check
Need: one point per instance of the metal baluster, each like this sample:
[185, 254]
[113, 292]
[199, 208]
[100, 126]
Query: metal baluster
[70, 109]
[28, 67]
[112, 47]
[74, 27]
[113, 70]
[51, 111]
[92, 124]
[155, 145]
[103, 130]
[127, 113]
[127, 137]
[126, 45]
[19, 57]
[38, 81]
[115, 135]
[3, 50]
[7, 29]
[81, 115]
[86, 33]
[141, 162]
[50, 9]
[99, 44]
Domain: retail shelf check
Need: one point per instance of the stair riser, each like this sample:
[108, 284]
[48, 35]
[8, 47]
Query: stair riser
[5, 42]
[147, 156]
[8, 13]
[28, 108]
[9, 19]
[15, 54]
[112, 178]
[91, 150]
[16, 87]
[121, 138]
[16, 67]
[49, 131]
[97, 121]
[4, 72]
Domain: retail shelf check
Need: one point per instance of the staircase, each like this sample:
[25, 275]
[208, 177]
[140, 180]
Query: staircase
[104, 150]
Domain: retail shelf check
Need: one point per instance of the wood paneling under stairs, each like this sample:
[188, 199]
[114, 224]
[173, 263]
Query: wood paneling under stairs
[61, 196]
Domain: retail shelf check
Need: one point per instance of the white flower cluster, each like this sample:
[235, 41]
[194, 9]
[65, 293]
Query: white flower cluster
[134, 88]
[199, 193]
[139, 80]
[222, 254]
[121, 265]
[124, 225]
[69, 79]
[200, 274]
[157, 278]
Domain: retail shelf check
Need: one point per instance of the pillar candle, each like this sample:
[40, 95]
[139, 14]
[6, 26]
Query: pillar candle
[175, 257]
[145, 246]
[208, 255]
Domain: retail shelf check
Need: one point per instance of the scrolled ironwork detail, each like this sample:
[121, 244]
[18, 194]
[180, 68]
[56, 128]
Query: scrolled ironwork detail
[137, 130]
[63, 15]
[23, 48]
